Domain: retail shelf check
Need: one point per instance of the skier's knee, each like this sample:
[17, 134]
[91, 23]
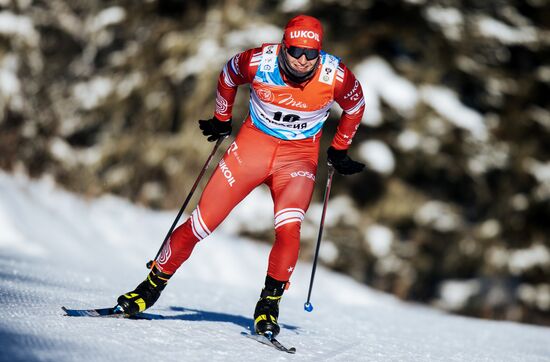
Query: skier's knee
[291, 229]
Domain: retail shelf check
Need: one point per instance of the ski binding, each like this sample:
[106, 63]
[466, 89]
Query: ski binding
[272, 342]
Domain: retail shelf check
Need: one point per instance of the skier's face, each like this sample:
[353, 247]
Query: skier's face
[300, 64]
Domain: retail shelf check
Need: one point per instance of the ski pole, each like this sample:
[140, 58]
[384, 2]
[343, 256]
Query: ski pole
[187, 199]
[307, 305]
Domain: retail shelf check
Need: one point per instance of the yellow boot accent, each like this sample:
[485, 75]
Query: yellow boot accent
[260, 318]
[130, 295]
[141, 303]
[151, 281]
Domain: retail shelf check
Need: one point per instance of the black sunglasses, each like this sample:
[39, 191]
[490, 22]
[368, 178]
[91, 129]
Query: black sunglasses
[296, 52]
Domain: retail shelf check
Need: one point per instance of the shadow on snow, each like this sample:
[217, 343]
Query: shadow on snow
[197, 315]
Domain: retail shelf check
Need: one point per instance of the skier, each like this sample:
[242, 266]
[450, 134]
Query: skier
[293, 86]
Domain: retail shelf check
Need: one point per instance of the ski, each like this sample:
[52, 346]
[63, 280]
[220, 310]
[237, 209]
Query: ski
[103, 313]
[270, 342]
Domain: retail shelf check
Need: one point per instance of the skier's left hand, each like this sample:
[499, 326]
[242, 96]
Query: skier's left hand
[342, 162]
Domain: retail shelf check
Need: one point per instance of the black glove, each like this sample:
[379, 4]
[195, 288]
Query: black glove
[342, 163]
[214, 128]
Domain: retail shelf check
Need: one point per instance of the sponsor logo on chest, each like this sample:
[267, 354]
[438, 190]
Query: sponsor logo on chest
[283, 99]
[286, 99]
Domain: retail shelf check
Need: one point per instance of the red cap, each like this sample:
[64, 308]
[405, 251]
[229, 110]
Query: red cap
[304, 32]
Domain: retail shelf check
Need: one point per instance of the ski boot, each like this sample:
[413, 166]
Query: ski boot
[146, 294]
[267, 308]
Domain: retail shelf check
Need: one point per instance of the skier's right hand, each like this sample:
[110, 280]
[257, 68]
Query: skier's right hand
[342, 162]
[215, 129]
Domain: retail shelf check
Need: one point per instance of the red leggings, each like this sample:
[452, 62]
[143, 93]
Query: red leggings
[287, 167]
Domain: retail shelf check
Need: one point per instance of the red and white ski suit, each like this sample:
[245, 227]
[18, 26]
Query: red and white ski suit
[278, 145]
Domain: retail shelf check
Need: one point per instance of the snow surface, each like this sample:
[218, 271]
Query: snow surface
[380, 82]
[449, 19]
[18, 26]
[379, 239]
[107, 17]
[445, 102]
[59, 249]
[378, 156]
[492, 28]
[289, 6]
